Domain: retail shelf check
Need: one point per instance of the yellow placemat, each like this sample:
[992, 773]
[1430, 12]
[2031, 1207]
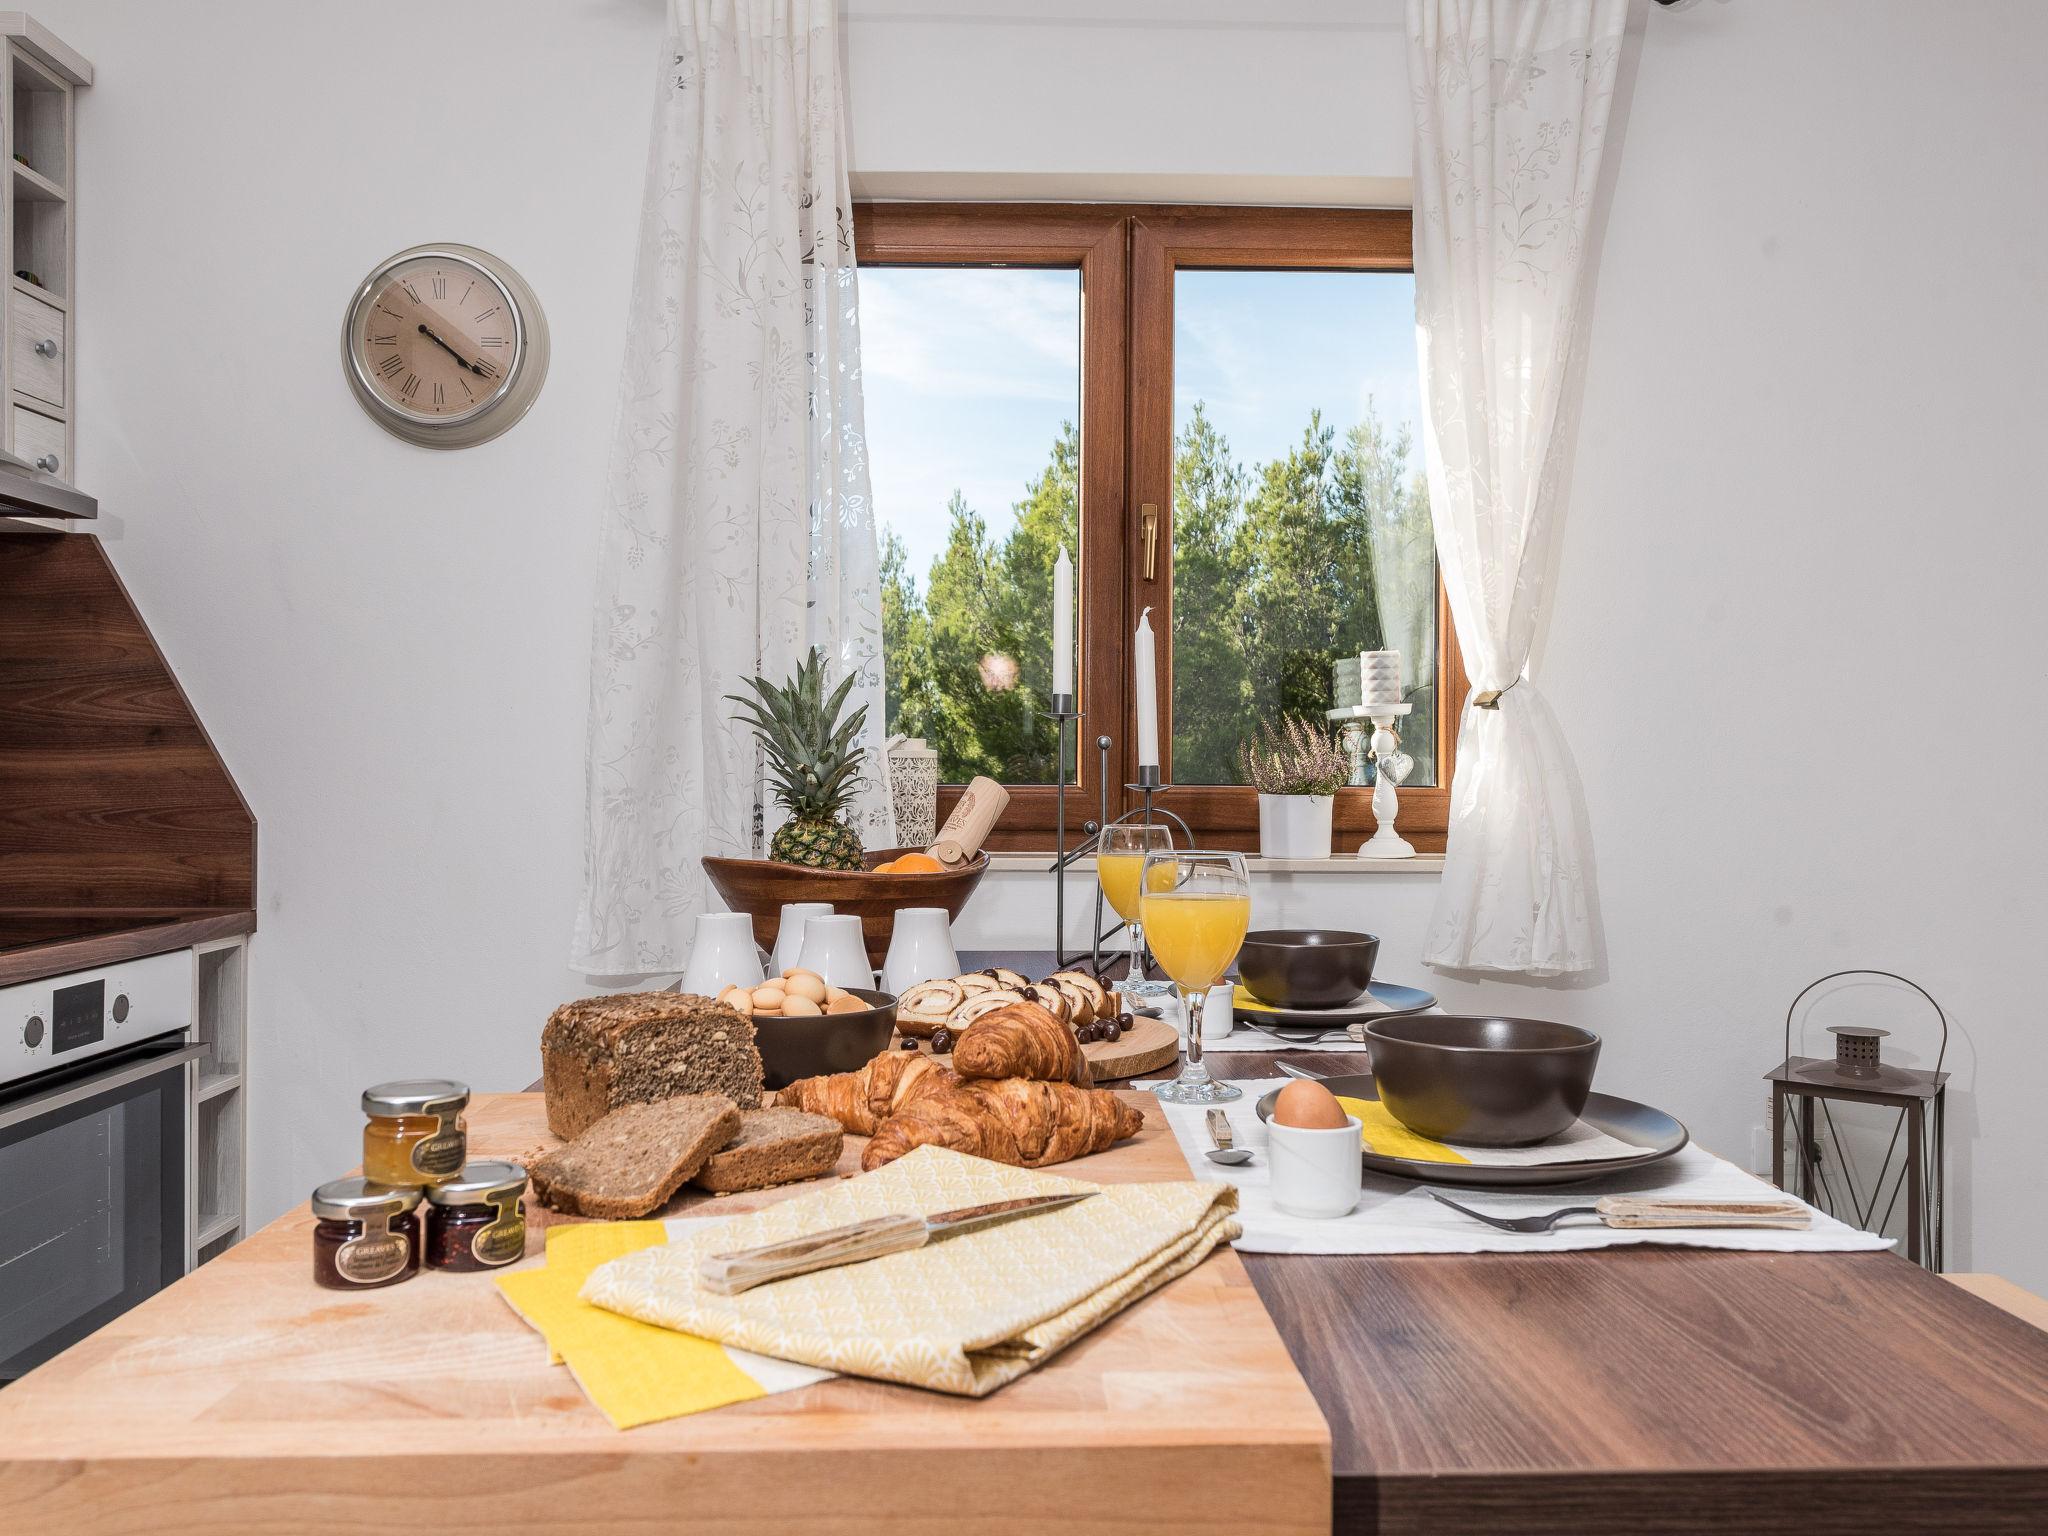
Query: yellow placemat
[1390, 1138]
[964, 1314]
[633, 1372]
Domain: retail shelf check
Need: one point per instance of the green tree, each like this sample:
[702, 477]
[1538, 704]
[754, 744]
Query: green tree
[1212, 689]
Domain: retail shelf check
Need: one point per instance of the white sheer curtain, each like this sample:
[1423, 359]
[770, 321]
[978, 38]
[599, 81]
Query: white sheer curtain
[1511, 100]
[737, 524]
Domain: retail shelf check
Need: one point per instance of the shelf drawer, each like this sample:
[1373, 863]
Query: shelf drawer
[37, 437]
[33, 324]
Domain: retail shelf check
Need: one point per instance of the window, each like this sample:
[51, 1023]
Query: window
[1232, 392]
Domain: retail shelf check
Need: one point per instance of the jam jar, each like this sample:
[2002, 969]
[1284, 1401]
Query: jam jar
[476, 1220]
[416, 1134]
[364, 1235]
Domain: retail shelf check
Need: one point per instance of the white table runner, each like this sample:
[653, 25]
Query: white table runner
[1395, 1216]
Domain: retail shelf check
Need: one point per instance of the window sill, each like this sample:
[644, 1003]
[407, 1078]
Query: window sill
[1347, 864]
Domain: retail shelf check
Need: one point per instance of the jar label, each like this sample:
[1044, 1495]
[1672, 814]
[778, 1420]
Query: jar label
[502, 1242]
[439, 1156]
[372, 1258]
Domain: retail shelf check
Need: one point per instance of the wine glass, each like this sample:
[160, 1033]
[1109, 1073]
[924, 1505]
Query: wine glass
[1120, 853]
[1197, 904]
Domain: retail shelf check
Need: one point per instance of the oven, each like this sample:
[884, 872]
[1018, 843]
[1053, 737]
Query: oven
[95, 1148]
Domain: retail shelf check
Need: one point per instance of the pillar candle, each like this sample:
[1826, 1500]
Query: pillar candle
[1063, 626]
[1148, 692]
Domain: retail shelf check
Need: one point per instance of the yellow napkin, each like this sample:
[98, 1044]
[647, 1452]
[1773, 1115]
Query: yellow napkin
[632, 1372]
[964, 1314]
[1383, 1134]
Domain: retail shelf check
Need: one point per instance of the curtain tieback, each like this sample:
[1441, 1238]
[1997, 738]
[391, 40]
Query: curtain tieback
[1489, 698]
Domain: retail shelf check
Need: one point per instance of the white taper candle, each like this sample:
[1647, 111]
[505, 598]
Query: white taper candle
[1063, 626]
[1148, 692]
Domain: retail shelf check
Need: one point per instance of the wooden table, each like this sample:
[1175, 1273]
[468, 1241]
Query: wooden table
[244, 1399]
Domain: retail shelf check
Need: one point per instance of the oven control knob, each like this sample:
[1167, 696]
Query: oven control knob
[33, 1035]
[120, 1007]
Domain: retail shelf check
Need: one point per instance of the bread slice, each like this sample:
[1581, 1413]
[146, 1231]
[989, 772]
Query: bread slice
[774, 1146]
[634, 1159]
[599, 1053]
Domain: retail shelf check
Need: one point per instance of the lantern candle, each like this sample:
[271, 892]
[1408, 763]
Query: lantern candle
[1379, 678]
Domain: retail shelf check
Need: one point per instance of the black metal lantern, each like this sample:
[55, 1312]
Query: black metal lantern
[1858, 1074]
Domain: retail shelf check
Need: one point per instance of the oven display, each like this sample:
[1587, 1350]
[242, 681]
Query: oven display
[78, 1016]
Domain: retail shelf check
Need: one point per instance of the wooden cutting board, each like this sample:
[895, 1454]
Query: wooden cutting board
[1149, 1045]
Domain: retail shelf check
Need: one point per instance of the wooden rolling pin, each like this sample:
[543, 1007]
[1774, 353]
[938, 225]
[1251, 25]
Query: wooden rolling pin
[960, 839]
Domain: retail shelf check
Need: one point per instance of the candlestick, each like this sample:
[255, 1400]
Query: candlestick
[1148, 693]
[1062, 626]
[1390, 766]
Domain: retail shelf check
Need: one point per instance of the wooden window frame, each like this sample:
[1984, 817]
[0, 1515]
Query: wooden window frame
[1127, 257]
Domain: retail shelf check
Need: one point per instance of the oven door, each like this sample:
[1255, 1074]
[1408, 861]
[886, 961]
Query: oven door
[92, 1197]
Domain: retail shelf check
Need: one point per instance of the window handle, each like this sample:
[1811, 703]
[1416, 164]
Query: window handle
[1148, 518]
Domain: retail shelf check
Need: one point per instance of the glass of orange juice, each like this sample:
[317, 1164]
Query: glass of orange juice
[1120, 853]
[1196, 904]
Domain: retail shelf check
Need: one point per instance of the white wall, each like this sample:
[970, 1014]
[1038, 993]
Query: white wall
[1793, 641]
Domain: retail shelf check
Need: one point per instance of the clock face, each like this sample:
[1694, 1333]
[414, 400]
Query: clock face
[445, 346]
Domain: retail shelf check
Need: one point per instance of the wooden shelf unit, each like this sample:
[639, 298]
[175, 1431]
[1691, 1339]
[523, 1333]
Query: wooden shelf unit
[217, 1156]
[38, 323]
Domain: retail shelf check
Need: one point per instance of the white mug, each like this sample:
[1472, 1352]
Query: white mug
[721, 955]
[1219, 1013]
[833, 949]
[789, 936]
[1316, 1173]
[920, 948]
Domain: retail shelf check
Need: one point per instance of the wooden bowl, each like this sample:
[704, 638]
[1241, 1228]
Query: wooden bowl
[759, 887]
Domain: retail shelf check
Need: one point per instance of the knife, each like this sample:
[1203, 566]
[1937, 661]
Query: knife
[727, 1274]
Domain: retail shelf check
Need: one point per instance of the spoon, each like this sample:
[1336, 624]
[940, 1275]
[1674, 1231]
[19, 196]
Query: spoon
[1303, 1073]
[1225, 1151]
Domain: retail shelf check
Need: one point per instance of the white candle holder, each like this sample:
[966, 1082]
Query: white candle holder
[1390, 766]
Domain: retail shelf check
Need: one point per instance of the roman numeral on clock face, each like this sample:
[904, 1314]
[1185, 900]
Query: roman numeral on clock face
[411, 292]
[411, 386]
[390, 366]
[488, 313]
[440, 286]
[388, 339]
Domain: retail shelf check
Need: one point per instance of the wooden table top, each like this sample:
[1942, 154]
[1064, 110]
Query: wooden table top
[246, 1399]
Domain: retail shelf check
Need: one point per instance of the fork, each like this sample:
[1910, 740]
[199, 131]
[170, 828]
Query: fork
[1631, 1211]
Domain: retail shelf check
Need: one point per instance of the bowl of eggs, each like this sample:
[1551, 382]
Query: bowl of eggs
[805, 1028]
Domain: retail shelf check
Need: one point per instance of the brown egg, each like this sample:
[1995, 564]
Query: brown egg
[806, 986]
[846, 1002]
[1308, 1107]
[794, 1007]
[796, 970]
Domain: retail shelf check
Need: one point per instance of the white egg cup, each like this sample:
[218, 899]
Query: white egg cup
[833, 950]
[1317, 1174]
[722, 954]
[789, 933]
[920, 948]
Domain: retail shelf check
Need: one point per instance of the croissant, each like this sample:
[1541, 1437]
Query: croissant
[1014, 1120]
[1022, 1040]
[862, 1100]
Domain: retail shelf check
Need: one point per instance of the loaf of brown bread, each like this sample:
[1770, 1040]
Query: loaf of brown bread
[772, 1146]
[633, 1160]
[600, 1053]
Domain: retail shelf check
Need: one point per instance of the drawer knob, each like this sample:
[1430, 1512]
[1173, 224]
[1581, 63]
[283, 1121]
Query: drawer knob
[47, 347]
[47, 463]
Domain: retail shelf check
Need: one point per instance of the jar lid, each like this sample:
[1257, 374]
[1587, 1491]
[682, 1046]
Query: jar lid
[357, 1199]
[478, 1183]
[416, 1096]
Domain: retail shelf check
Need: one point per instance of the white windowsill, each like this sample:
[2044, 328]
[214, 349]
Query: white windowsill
[1339, 864]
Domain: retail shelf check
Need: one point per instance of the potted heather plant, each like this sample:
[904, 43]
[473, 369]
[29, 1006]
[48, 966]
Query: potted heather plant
[1297, 770]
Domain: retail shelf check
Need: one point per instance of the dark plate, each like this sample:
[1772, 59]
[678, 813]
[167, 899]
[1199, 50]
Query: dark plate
[1316, 1021]
[1658, 1134]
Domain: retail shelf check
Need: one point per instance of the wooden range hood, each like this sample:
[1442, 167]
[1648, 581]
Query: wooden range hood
[121, 831]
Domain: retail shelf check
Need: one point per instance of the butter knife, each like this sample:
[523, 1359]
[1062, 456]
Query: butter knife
[727, 1274]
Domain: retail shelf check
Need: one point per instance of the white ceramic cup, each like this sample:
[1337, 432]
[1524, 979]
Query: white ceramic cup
[1316, 1173]
[920, 948]
[789, 937]
[722, 954]
[1219, 1013]
[832, 948]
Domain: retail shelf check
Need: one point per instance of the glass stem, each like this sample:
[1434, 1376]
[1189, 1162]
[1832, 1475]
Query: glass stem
[1192, 1000]
[1137, 952]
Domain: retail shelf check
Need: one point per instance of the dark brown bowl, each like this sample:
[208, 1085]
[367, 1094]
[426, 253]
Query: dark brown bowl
[1307, 967]
[759, 887]
[815, 1044]
[1485, 1082]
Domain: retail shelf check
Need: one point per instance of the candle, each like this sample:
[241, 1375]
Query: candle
[1063, 626]
[1148, 693]
[1379, 678]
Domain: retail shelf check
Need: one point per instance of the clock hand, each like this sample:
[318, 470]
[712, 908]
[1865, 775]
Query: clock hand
[428, 332]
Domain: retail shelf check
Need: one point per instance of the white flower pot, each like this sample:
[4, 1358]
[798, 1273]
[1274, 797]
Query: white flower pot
[1295, 826]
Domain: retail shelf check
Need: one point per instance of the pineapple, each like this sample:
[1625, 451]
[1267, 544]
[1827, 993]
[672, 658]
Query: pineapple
[814, 762]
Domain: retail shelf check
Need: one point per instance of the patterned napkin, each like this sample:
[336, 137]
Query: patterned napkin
[965, 1314]
[633, 1373]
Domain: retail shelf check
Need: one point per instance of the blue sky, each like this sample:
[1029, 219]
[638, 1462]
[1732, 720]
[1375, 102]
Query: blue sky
[969, 372]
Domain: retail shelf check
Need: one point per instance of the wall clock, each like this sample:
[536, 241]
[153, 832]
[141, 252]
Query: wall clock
[445, 346]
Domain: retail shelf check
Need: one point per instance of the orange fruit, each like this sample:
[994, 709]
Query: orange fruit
[884, 869]
[916, 864]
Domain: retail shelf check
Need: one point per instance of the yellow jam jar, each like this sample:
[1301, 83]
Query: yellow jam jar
[416, 1135]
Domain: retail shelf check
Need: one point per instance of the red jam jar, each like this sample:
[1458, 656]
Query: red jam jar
[365, 1235]
[476, 1220]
